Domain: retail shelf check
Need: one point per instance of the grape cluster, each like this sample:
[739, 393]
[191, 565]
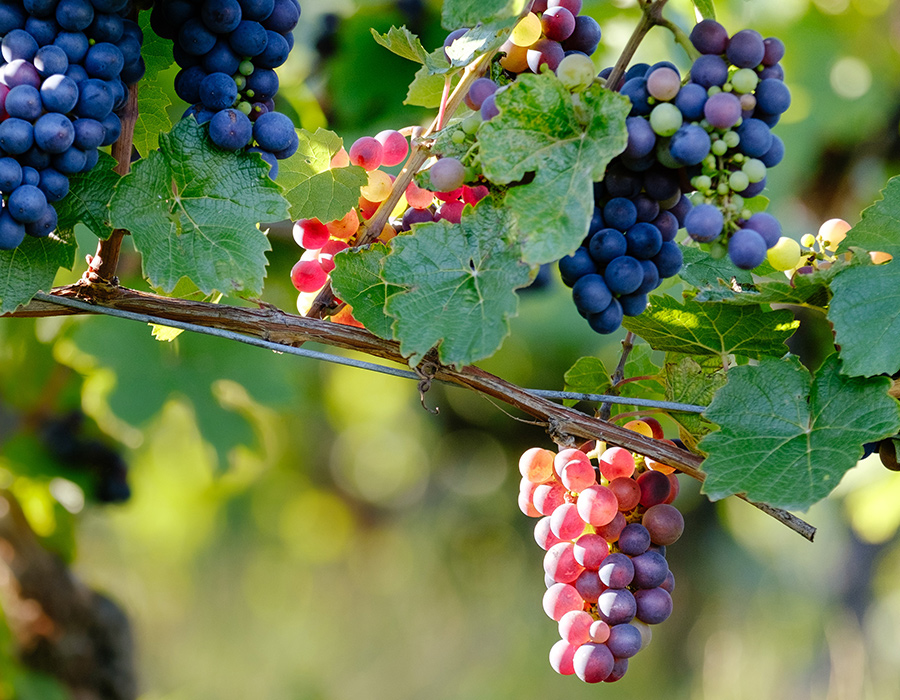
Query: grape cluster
[717, 126]
[65, 73]
[605, 538]
[227, 51]
[445, 199]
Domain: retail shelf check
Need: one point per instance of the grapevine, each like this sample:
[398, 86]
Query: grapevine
[414, 242]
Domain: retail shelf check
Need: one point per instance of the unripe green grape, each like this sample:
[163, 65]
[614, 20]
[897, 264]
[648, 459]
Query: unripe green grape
[727, 87]
[666, 119]
[744, 80]
[664, 156]
[244, 107]
[240, 81]
[719, 148]
[755, 169]
[250, 93]
[808, 240]
[458, 136]
[576, 72]
[471, 123]
[246, 67]
[738, 158]
[702, 182]
[746, 213]
[723, 188]
[731, 139]
[785, 254]
[713, 90]
[738, 203]
[738, 181]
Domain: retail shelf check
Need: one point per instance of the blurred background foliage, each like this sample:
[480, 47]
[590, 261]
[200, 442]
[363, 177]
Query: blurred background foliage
[306, 531]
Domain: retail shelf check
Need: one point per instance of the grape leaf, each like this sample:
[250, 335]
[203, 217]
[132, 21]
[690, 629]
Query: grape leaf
[712, 328]
[32, 266]
[357, 280]
[865, 309]
[313, 188]
[689, 382]
[153, 117]
[786, 437]
[706, 8]
[703, 271]
[193, 210]
[402, 42]
[427, 88]
[481, 39]
[156, 51]
[468, 13]
[587, 376]
[540, 130]
[88, 199]
[458, 282]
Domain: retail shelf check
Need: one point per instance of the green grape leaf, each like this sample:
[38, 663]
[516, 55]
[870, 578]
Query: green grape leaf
[540, 130]
[588, 376]
[156, 51]
[193, 210]
[32, 266]
[88, 199]
[456, 14]
[479, 40]
[402, 42]
[865, 309]
[687, 381]
[356, 279]
[313, 189]
[713, 328]
[786, 437]
[458, 282]
[153, 117]
[703, 271]
[706, 8]
[427, 88]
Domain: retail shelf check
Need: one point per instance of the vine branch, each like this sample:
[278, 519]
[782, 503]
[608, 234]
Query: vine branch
[290, 330]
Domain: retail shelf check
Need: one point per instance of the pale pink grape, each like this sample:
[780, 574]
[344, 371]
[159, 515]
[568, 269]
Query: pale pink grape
[575, 626]
[597, 505]
[367, 153]
[616, 462]
[590, 551]
[561, 655]
[565, 522]
[559, 599]
[311, 234]
[599, 631]
[548, 497]
[394, 145]
[527, 507]
[560, 564]
[536, 465]
[543, 535]
[566, 456]
[577, 475]
[308, 276]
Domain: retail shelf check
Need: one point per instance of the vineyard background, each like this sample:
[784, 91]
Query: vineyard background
[307, 531]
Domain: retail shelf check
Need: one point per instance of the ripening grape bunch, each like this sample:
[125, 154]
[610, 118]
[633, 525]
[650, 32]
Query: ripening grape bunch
[228, 51]
[66, 68]
[605, 531]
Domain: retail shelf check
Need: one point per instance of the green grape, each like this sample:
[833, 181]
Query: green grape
[471, 123]
[666, 119]
[246, 67]
[785, 254]
[576, 72]
[527, 31]
[723, 188]
[738, 181]
[240, 81]
[755, 169]
[702, 182]
[713, 90]
[744, 80]
[719, 148]
[731, 139]
[738, 203]
[808, 240]
[244, 107]
[458, 136]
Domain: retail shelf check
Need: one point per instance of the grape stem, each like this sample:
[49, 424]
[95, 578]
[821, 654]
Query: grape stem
[681, 37]
[619, 375]
[290, 331]
[102, 266]
[651, 15]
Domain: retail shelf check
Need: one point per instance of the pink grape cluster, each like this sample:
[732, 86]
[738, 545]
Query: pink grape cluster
[605, 536]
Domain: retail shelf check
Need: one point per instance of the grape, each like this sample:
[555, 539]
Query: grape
[50, 60]
[746, 49]
[566, 524]
[536, 465]
[590, 551]
[70, 162]
[627, 492]
[221, 16]
[590, 293]
[655, 488]
[308, 276]
[644, 241]
[104, 61]
[11, 17]
[766, 226]
[527, 30]
[666, 119]
[641, 137]
[664, 84]
[12, 232]
[653, 605]
[647, 208]
[610, 532]
[54, 133]
[275, 132]
[217, 91]
[10, 174]
[616, 462]
[690, 145]
[574, 267]
[479, 91]
[635, 90]
[620, 213]
[597, 505]
[593, 662]
[19, 44]
[775, 154]
[95, 100]
[230, 129]
[45, 224]
[607, 320]
[30, 176]
[585, 37]
[773, 96]
[722, 110]
[755, 138]
[105, 27]
[543, 535]
[747, 249]
[661, 184]
[560, 563]
[26, 204]
[754, 169]
[709, 37]
[575, 626]
[24, 102]
[664, 523]
[624, 641]
[774, 51]
[624, 275]
[544, 52]
[634, 540]
[576, 72]
[447, 174]
[616, 605]
[53, 184]
[59, 94]
[558, 23]
[616, 571]
[708, 71]
[573, 6]
[16, 136]
[650, 568]
[704, 223]
[284, 17]
[562, 655]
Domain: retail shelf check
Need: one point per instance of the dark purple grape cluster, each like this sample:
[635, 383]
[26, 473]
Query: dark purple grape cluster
[630, 247]
[66, 68]
[228, 51]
